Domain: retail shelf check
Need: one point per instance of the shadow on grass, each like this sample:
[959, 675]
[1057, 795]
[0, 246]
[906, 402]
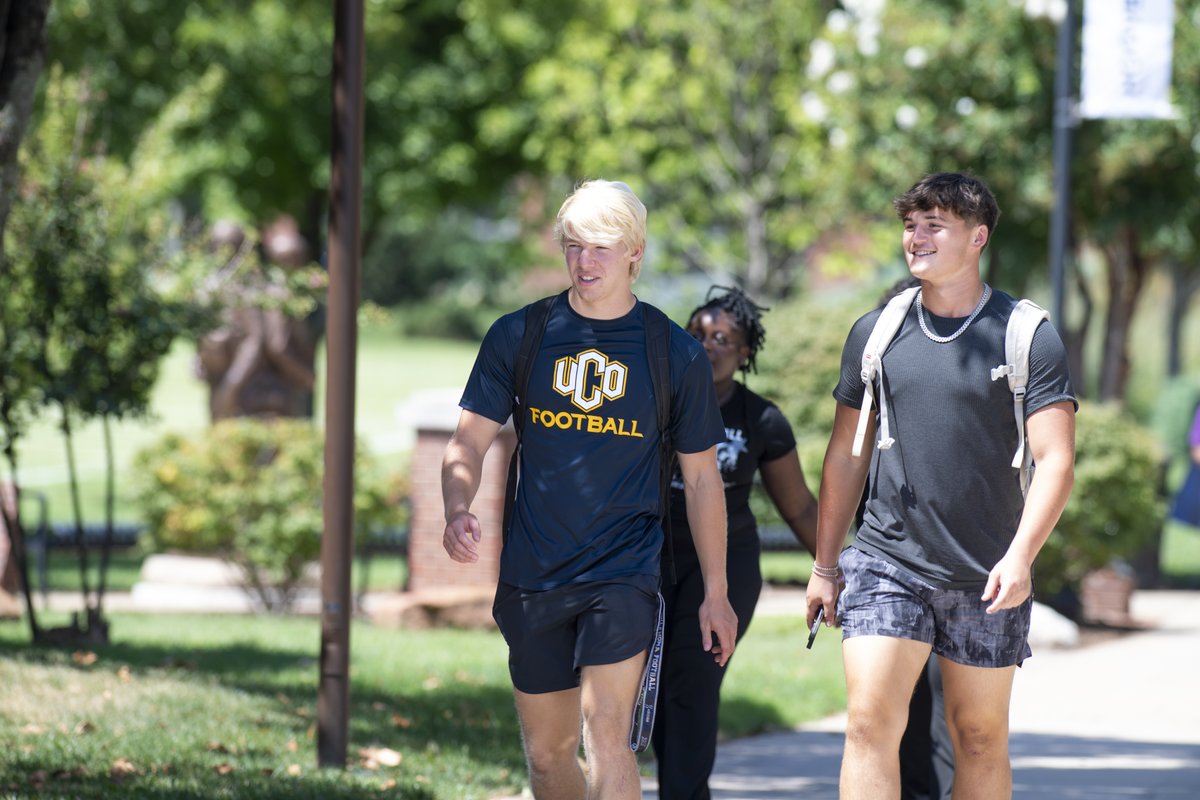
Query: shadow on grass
[479, 717]
[197, 784]
[471, 723]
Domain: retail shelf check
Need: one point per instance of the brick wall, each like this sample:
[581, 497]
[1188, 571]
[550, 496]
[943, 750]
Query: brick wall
[428, 565]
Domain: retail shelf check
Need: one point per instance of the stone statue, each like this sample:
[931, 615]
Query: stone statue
[260, 362]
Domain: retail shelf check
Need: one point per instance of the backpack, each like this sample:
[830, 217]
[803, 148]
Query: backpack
[1018, 339]
[658, 352]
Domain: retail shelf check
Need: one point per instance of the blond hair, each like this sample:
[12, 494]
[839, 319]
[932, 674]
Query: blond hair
[603, 212]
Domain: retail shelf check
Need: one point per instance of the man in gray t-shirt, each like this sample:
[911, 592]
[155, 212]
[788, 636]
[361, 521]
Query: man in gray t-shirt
[943, 559]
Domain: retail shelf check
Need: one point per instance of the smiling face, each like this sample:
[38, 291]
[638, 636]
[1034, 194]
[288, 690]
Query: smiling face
[940, 246]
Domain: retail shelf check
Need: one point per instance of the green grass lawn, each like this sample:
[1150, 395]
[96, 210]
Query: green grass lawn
[1180, 557]
[200, 707]
[786, 566]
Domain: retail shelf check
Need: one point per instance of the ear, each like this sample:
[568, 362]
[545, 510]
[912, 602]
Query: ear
[981, 236]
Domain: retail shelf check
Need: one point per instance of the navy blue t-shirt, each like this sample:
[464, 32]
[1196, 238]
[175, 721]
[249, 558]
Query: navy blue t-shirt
[587, 506]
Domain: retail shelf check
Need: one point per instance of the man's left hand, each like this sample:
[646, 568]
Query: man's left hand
[1009, 584]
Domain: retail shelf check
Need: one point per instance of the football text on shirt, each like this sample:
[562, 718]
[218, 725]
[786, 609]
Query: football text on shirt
[587, 379]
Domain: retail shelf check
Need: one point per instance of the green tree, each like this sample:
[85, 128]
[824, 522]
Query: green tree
[916, 86]
[701, 106]
[95, 319]
[250, 87]
[1135, 187]
[22, 56]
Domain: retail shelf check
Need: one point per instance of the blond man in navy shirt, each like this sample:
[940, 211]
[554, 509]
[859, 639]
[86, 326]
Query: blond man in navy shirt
[577, 599]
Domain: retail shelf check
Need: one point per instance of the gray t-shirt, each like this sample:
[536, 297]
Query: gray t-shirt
[944, 502]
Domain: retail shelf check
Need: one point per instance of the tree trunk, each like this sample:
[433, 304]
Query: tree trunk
[758, 267]
[1073, 339]
[1184, 285]
[77, 508]
[22, 56]
[110, 498]
[1126, 276]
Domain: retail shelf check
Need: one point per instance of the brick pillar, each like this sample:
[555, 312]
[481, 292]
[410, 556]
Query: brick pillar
[428, 565]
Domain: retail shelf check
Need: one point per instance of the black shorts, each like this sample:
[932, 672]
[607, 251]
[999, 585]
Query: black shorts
[552, 634]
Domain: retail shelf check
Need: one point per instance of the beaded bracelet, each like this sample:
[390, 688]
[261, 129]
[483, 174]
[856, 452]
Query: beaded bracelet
[826, 572]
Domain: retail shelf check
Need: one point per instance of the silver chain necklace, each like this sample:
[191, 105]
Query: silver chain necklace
[987, 293]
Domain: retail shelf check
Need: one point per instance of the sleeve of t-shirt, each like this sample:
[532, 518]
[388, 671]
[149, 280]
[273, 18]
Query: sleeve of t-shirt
[776, 432]
[489, 390]
[849, 390]
[1049, 375]
[695, 413]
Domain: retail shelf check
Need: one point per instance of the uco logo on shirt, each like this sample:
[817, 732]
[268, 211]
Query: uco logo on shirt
[589, 379]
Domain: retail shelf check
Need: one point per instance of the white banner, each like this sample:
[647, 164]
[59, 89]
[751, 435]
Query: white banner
[1127, 58]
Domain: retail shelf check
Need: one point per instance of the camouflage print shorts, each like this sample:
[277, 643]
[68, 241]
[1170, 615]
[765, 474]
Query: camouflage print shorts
[881, 600]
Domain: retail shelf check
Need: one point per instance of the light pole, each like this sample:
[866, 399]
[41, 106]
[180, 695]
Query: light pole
[1064, 123]
[341, 340]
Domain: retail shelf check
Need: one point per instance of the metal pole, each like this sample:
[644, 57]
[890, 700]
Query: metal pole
[341, 335]
[1064, 121]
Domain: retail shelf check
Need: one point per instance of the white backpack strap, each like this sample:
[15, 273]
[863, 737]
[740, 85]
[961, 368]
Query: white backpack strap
[1018, 339]
[886, 325]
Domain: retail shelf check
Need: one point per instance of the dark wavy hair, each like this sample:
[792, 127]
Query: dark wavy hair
[966, 196]
[745, 312]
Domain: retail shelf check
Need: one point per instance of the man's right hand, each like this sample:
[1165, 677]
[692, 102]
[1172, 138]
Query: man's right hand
[461, 538]
[823, 593]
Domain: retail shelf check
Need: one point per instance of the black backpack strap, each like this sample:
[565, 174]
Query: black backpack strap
[536, 316]
[658, 352]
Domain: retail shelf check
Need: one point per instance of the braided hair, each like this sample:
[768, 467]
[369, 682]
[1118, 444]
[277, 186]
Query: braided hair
[745, 313]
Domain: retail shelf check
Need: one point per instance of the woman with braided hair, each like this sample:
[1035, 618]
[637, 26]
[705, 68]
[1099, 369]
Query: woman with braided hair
[758, 439]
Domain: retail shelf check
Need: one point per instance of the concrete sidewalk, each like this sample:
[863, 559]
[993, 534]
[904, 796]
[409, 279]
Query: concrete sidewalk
[1114, 719]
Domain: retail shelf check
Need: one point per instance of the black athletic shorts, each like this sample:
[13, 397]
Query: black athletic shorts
[552, 634]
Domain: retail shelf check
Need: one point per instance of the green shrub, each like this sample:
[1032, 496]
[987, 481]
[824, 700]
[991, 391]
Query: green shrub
[249, 491]
[1115, 509]
[453, 315]
[798, 368]
[801, 359]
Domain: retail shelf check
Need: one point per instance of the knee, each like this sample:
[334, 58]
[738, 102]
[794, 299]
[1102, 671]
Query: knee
[606, 738]
[548, 756]
[874, 727]
[862, 731]
[981, 741]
